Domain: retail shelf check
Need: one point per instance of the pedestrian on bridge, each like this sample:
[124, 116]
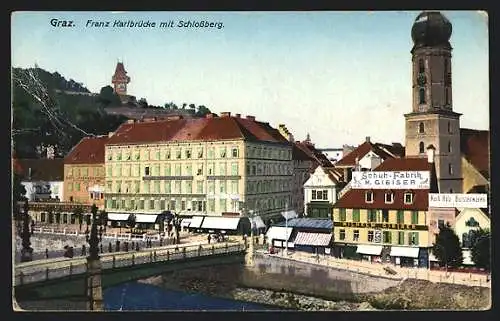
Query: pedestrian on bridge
[46, 253]
[209, 238]
[110, 247]
[84, 250]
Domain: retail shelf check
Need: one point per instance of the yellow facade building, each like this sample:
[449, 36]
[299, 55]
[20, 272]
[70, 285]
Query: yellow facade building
[385, 225]
[211, 166]
[84, 172]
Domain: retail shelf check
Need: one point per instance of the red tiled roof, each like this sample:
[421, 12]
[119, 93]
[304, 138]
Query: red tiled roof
[405, 164]
[42, 169]
[382, 150]
[299, 154]
[196, 129]
[315, 154]
[355, 198]
[90, 150]
[474, 145]
[334, 174]
[120, 69]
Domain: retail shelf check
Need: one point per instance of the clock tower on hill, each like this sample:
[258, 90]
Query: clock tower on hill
[120, 80]
[432, 120]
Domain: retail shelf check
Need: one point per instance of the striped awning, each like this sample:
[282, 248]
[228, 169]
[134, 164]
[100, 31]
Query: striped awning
[118, 216]
[196, 221]
[403, 251]
[313, 239]
[369, 249]
[220, 223]
[146, 218]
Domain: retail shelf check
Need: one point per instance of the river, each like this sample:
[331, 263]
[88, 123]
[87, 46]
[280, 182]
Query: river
[138, 296]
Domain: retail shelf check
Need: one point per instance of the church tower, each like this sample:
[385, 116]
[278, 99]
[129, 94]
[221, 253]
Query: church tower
[432, 120]
[120, 79]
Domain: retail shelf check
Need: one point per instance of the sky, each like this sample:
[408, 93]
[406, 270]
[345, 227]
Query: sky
[339, 76]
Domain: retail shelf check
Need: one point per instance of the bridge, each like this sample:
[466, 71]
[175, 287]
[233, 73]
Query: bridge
[65, 278]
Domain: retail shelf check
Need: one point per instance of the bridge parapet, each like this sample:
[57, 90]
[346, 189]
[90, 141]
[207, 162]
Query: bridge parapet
[45, 270]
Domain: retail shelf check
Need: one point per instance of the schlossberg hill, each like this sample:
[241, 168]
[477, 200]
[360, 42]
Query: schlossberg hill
[49, 110]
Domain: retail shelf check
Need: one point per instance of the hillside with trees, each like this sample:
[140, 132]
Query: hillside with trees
[49, 110]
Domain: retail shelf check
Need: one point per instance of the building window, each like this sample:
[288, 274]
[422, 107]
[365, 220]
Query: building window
[385, 216]
[413, 238]
[178, 154]
[421, 96]
[342, 214]
[200, 152]
[325, 195]
[421, 66]
[450, 169]
[370, 236]
[389, 197]
[421, 128]
[449, 127]
[355, 215]
[369, 197]
[341, 235]
[421, 148]
[313, 195]
[372, 215]
[387, 237]
[414, 217]
[449, 147]
[188, 153]
[446, 96]
[234, 151]
[440, 223]
[234, 169]
[146, 171]
[401, 238]
[400, 217]
[408, 198]
[222, 152]
[355, 236]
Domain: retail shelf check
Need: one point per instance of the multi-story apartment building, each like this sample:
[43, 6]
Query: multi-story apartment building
[84, 172]
[214, 165]
[387, 223]
[320, 192]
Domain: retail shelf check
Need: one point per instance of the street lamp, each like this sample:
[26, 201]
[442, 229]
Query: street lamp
[93, 240]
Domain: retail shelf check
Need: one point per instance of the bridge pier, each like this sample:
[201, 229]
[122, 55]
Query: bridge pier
[249, 253]
[94, 285]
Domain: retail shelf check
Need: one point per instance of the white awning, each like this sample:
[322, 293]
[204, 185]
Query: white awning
[289, 214]
[278, 233]
[401, 251]
[118, 216]
[145, 218]
[220, 223]
[369, 249]
[185, 222]
[257, 222]
[196, 221]
[314, 239]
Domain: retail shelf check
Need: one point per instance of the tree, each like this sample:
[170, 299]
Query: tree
[131, 221]
[202, 111]
[447, 248]
[143, 103]
[108, 97]
[480, 251]
[184, 105]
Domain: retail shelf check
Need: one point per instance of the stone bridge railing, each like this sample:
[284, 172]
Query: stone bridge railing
[44, 270]
[114, 236]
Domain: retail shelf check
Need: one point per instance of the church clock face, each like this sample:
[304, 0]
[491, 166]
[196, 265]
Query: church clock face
[121, 87]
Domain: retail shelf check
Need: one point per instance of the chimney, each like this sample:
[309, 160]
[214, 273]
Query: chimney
[237, 115]
[209, 115]
[110, 134]
[367, 139]
[251, 118]
[431, 151]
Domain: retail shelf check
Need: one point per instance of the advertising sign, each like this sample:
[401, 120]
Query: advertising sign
[458, 200]
[390, 180]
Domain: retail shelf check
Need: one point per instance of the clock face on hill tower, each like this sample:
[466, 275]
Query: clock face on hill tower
[121, 87]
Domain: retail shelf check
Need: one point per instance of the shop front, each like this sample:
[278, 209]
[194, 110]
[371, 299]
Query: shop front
[405, 256]
[368, 252]
[279, 237]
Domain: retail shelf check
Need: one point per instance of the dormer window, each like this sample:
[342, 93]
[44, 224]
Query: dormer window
[389, 197]
[369, 197]
[408, 198]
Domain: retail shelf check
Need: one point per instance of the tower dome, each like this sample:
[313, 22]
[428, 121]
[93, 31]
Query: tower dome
[431, 29]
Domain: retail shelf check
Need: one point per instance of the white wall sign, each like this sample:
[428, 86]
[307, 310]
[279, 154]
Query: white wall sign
[390, 180]
[458, 200]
